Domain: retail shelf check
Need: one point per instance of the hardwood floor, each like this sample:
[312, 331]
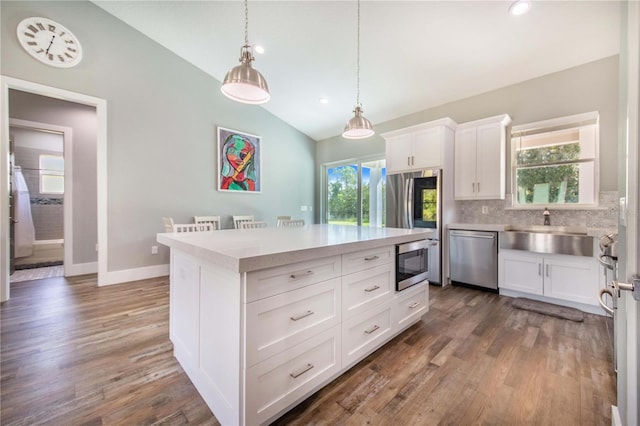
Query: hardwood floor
[73, 353]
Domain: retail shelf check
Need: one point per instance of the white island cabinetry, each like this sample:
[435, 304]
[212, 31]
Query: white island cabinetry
[257, 341]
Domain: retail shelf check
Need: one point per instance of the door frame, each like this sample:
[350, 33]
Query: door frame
[67, 137]
[7, 83]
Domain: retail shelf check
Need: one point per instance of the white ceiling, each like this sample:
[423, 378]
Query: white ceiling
[414, 54]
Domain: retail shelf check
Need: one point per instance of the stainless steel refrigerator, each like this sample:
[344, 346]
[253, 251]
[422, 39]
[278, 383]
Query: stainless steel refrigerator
[414, 200]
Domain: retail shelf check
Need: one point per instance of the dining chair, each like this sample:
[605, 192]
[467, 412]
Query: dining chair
[281, 218]
[294, 223]
[253, 224]
[214, 220]
[192, 227]
[168, 224]
[237, 220]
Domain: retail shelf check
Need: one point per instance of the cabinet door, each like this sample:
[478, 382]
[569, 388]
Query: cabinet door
[465, 164]
[427, 148]
[520, 271]
[398, 153]
[571, 278]
[490, 162]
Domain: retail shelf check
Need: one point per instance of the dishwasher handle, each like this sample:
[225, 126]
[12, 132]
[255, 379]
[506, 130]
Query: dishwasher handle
[461, 234]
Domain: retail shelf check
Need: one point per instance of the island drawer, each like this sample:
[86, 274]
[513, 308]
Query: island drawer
[269, 282]
[365, 259]
[410, 305]
[281, 380]
[365, 332]
[363, 289]
[279, 322]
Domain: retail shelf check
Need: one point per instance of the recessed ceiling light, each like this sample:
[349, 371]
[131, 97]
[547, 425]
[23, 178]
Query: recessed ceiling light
[258, 49]
[324, 100]
[520, 7]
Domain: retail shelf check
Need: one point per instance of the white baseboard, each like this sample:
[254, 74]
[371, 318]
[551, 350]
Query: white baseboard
[127, 275]
[71, 270]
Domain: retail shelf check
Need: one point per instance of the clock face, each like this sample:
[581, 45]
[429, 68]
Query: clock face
[49, 42]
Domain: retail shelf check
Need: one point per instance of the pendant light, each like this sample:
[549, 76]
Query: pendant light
[244, 83]
[358, 127]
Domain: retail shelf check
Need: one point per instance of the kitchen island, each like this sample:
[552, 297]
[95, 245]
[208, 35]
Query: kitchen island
[262, 318]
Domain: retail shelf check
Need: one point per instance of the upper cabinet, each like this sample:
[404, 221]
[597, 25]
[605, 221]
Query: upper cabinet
[419, 147]
[480, 159]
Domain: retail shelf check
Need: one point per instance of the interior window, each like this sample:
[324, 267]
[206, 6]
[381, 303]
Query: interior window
[556, 162]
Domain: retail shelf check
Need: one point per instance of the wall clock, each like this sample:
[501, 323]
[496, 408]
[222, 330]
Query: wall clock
[49, 42]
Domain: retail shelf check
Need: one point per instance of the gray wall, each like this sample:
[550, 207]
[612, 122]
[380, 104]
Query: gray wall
[162, 115]
[590, 87]
[82, 120]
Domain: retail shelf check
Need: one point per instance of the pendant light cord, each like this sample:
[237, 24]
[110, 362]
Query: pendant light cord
[358, 61]
[246, 23]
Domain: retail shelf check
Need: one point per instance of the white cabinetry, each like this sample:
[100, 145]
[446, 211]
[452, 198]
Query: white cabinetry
[569, 278]
[480, 163]
[419, 147]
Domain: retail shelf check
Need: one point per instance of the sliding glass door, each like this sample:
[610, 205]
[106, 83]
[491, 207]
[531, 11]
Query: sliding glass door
[355, 193]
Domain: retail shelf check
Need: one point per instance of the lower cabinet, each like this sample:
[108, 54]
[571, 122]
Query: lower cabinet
[571, 278]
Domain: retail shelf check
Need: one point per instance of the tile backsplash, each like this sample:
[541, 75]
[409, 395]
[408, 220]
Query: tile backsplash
[605, 216]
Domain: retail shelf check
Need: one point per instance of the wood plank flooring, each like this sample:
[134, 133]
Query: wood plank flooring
[76, 354]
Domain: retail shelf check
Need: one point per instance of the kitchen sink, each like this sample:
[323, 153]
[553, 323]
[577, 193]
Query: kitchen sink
[552, 240]
[561, 230]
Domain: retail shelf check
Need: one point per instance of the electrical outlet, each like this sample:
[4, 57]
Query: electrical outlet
[154, 249]
[485, 210]
[303, 208]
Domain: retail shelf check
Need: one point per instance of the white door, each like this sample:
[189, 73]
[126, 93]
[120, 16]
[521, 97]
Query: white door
[628, 316]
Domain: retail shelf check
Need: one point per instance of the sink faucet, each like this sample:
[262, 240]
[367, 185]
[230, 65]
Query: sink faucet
[547, 216]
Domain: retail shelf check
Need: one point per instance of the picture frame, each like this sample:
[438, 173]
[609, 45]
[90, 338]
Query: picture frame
[239, 161]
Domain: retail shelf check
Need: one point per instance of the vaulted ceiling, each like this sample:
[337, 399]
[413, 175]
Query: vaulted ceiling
[414, 54]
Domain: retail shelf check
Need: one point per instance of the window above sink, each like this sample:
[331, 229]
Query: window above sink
[555, 163]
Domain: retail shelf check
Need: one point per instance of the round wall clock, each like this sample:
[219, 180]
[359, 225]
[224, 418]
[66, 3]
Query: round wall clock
[49, 42]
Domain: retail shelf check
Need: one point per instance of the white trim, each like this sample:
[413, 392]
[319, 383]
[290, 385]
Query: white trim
[80, 269]
[576, 119]
[136, 274]
[67, 135]
[43, 242]
[615, 416]
[7, 83]
[590, 309]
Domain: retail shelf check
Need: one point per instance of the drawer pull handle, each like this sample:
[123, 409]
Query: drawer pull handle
[301, 274]
[414, 305]
[302, 316]
[370, 289]
[371, 258]
[374, 328]
[296, 375]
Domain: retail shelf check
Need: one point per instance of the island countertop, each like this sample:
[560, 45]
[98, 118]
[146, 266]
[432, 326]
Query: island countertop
[245, 250]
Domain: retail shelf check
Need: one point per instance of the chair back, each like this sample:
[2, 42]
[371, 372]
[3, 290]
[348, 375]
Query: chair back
[214, 220]
[281, 218]
[295, 223]
[253, 224]
[237, 220]
[168, 224]
[192, 227]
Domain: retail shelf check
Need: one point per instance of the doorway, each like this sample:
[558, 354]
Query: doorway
[87, 228]
[41, 199]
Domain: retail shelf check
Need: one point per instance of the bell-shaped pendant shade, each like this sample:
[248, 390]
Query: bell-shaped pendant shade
[244, 83]
[358, 127]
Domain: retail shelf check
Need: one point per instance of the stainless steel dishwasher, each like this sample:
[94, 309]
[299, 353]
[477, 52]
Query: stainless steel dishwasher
[473, 258]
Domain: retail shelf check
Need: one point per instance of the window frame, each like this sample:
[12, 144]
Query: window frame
[45, 173]
[576, 121]
[324, 194]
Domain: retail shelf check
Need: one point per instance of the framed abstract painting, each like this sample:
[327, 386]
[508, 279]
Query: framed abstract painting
[239, 161]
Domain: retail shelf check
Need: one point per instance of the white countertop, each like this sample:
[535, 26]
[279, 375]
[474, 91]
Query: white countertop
[244, 250]
[500, 227]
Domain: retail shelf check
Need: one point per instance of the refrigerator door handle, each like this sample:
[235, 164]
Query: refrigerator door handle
[410, 203]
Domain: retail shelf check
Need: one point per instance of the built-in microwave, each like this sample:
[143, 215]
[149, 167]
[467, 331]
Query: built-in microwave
[412, 265]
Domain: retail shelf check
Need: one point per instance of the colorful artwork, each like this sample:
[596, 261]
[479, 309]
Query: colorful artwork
[239, 161]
